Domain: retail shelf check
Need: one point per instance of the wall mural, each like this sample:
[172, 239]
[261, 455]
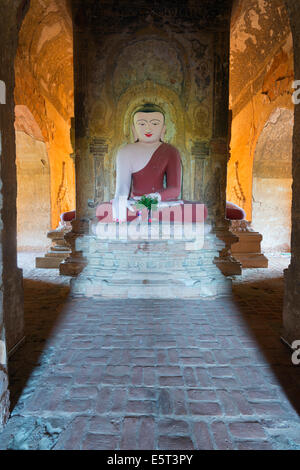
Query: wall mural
[137, 59]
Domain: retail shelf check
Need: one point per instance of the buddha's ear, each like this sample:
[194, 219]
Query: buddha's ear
[162, 135]
[134, 133]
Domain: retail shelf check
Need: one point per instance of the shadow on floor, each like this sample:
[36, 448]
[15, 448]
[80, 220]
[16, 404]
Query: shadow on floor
[40, 318]
[261, 303]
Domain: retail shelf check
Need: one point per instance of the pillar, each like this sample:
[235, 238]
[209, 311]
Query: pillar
[11, 296]
[215, 197]
[291, 308]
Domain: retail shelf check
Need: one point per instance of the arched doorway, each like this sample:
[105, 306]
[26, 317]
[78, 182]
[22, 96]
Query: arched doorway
[261, 76]
[272, 181]
[33, 183]
[44, 84]
[36, 75]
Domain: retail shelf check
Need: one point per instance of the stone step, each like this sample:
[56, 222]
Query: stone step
[92, 244]
[252, 260]
[63, 249]
[150, 290]
[57, 254]
[48, 262]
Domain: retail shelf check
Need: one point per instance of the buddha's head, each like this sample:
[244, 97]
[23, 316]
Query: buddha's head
[148, 124]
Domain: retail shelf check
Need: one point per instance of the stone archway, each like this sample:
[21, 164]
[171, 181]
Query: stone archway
[272, 181]
[19, 73]
[44, 84]
[33, 178]
[9, 32]
[261, 76]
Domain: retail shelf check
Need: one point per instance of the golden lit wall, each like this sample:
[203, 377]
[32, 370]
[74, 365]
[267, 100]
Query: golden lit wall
[33, 176]
[44, 84]
[261, 74]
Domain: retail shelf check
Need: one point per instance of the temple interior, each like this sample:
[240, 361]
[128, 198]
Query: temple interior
[73, 72]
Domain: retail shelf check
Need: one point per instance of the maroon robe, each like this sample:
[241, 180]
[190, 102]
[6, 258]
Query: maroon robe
[165, 161]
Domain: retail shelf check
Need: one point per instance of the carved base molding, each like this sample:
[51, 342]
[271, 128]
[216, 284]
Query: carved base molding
[59, 250]
[248, 248]
[228, 265]
[72, 265]
[75, 262]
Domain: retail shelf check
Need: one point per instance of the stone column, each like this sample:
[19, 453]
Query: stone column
[219, 154]
[84, 168]
[11, 296]
[291, 308]
[84, 177]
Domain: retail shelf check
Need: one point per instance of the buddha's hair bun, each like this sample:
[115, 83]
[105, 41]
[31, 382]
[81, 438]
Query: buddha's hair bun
[149, 108]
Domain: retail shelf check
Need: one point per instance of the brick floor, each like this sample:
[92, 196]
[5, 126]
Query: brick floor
[151, 374]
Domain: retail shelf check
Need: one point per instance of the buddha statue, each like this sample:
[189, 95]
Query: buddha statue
[141, 168]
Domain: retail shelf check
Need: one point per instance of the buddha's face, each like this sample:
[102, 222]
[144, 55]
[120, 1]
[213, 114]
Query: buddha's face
[149, 127]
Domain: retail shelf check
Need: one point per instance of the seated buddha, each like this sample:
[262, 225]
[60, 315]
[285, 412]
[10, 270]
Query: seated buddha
[142, 167]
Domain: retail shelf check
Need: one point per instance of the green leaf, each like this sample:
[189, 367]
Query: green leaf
[148, 202]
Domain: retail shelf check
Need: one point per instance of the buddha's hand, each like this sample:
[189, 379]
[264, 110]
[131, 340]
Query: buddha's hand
[152, 195]
[131, 206]
[155, 196]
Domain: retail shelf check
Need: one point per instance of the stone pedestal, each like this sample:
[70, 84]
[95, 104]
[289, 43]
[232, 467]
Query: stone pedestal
[248, 247]
[59, 250]
[150, 267]
[73, 264]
